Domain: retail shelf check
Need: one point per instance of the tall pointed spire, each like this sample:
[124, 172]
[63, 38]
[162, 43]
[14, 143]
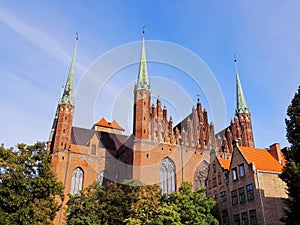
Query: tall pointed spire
[143, 81]
[241, 105]
[68, 94]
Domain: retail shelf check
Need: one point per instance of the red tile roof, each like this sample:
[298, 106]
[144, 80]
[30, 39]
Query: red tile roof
[114, 125]
[262, 159]
[225, 163]
[102, 123]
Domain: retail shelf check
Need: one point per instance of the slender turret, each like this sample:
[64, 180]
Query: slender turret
[60, 136]
[142, 100]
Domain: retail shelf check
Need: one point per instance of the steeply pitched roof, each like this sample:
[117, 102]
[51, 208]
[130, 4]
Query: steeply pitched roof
[241, 106]
[143, 81]
[82, 136]
[225, 163]
[102, 122]
[114, 125]
[262, 159]
[68, 94]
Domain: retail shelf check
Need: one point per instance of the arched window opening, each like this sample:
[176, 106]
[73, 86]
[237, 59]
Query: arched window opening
[77, 181]
[167, 176]
[200, 175]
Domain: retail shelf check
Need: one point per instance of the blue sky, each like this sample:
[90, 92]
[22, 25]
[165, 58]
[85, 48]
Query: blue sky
[37, 43]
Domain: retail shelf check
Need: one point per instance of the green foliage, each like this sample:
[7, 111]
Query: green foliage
[28, 187]
[98, 205]
[291, 171]
[193, 207]
[133, 203]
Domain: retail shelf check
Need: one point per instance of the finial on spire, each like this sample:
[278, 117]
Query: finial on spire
[158, 95]
[143, 31]
[235, 62]
[198, 99]
[77, 36]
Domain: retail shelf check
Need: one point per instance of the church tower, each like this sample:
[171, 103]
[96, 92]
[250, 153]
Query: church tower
[242, 113]
[142, 100]
[60, 136]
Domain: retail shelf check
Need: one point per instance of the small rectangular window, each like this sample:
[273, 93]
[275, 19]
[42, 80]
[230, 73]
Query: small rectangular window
[223, 196]
[236, 219]
[244, 216]
[219, 178]
[234, 174]
[214, 168]
[225, 217]
[249, 189]
[242, 170]
[234, 197]
[93, 149]
[242, 196]
[214, 181]
[253, 219]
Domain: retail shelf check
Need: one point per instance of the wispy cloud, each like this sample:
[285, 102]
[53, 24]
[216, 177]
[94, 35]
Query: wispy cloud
[37, 37]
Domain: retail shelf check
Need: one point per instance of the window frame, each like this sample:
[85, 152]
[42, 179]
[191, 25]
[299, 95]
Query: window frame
[253, 217]
[223, 197]
[77, 181]
[242, 171]
[94, 149]
[250, 192]
[242, 196]
[244, 217]
[234, 174]
[236, 219]
[167, 176]
[224, 217]
[234, 197]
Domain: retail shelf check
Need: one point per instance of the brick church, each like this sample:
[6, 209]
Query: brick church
[157, 152]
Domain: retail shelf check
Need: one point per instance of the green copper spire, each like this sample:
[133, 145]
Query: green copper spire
[241, 105]
[143, 81]
[68, 95]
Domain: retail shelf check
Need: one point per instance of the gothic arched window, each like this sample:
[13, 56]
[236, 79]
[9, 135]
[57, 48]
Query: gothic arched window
[167, 176]
[100, 177]
[77, 181]
[200, 175]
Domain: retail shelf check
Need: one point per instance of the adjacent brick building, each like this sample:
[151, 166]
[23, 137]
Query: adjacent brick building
[246, 186]
[157, 152]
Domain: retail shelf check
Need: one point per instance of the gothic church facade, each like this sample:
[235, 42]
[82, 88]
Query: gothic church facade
[157, 152]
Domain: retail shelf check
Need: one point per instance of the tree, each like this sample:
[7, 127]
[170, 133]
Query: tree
[134, 203]
[291, 171]
[29, 191]
[192, 207]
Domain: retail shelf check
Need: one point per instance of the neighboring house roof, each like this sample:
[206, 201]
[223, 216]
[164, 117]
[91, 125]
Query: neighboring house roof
[82, 136]
[114, 125]
[262, 159]
[225, 163]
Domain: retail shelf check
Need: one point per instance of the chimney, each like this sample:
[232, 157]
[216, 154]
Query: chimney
[276, 152]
